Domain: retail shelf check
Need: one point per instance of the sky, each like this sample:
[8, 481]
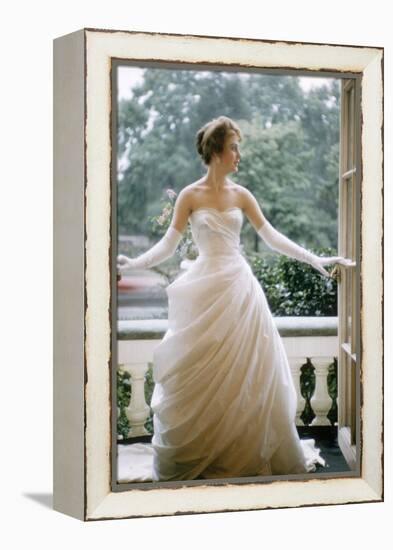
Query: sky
[129, 76]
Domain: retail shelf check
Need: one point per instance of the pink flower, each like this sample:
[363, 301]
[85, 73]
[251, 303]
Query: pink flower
[171, 193]
[166, 212]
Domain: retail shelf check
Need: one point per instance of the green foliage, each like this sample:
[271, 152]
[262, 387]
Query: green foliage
[149, 387]
[275, 168]
[289, 154]
[123, 388]
[294, 288]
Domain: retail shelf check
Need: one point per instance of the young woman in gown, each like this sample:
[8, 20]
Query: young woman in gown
[224, 402]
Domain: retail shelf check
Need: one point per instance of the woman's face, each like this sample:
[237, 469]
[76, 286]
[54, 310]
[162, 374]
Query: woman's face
[230, 156]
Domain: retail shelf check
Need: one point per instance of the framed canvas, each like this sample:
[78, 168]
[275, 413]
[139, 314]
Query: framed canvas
[95, 430]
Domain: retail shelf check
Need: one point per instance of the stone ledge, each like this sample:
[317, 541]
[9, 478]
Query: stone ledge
[154, 329]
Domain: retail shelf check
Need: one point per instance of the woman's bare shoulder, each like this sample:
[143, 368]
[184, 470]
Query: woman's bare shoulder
[236, 186]
[192, 189]
[192, 186]
[186, 195]
[244, 195]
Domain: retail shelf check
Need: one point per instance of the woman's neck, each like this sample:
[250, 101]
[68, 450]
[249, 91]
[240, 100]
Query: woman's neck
[215, 180]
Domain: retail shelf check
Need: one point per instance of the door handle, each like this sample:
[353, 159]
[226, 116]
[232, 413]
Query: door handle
[336, 271]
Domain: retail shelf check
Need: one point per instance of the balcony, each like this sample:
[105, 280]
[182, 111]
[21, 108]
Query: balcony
[311, 344]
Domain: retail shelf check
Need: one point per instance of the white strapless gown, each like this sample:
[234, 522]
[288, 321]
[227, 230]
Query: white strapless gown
[224, 401]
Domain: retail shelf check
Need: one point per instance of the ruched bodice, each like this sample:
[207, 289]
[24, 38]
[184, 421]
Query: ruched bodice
[217, 232]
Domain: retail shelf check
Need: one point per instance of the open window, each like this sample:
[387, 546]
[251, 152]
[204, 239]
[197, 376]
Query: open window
[348, 277]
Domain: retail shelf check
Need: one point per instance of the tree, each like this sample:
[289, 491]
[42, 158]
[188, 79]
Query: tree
[289, 155]
[274, 167]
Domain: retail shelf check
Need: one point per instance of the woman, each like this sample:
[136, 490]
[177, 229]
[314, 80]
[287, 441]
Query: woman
[224, 401]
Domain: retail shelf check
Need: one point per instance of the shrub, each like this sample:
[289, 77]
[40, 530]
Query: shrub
[295, 288]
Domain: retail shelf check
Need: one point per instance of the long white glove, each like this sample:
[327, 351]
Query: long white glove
[277, 241]
[162, 250]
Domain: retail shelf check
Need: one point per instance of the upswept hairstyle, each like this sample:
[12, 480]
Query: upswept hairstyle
[210, 139]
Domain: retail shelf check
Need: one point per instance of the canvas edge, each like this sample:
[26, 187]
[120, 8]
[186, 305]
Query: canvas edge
[68, 274]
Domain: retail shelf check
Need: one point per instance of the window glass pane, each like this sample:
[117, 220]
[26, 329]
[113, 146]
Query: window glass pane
[349, 124]
[349, 218]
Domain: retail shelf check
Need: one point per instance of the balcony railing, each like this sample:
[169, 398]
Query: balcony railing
[311, 344]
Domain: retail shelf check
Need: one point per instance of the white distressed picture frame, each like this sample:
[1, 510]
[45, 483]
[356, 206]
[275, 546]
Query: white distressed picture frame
[84, 278]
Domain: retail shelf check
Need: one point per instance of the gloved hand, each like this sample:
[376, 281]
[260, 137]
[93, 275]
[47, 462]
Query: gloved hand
[161, 251]
[279, 242]
[318, 261]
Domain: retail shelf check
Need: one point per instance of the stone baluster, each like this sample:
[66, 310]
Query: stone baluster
[295, 364]
[138, 410]
[321, 401]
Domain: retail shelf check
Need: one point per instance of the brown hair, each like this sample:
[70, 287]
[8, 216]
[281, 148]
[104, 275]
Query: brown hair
[211, 137]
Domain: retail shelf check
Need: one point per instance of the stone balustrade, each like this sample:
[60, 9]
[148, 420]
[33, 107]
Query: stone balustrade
[311, 344]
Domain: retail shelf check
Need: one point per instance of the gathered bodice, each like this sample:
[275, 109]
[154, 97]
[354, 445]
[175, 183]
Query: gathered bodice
[217, 232]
